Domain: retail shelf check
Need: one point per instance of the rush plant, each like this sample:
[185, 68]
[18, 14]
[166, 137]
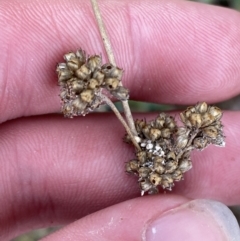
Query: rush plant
[162, 148]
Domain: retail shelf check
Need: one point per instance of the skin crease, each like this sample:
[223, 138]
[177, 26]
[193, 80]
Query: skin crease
[55, 170]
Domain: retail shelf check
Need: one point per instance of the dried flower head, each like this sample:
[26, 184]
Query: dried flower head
[165, 147]
[82, 79]
[162, 148]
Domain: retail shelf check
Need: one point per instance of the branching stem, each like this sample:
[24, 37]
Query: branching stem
[103, 32]
[119, 116]
[111, 59]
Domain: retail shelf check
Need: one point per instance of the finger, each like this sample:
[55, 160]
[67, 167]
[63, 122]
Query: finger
[172, 52]
[62, 169]
[155, 218]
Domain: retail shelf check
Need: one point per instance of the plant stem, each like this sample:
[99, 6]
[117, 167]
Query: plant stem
[111, 59]
[103, 32]
[119, 116]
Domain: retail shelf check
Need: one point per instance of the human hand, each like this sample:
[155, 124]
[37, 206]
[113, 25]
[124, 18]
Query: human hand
[55, 171]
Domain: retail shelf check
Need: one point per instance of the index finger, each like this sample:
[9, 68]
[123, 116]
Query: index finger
[171, 51]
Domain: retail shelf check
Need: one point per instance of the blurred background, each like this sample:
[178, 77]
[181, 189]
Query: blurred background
[233, 104]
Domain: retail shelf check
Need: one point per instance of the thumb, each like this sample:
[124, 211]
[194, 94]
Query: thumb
[154, 218]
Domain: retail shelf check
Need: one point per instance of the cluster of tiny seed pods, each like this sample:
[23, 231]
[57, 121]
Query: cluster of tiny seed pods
[82, 78]
[165, 147]
[206, 121]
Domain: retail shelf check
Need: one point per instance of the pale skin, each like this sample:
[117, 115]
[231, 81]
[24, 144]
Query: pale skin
[54, 171]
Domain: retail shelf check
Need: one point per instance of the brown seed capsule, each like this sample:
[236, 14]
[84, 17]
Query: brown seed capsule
[171, 166]
[185, 120]
[215, 112]
[154, 134]
[64, 95]
[171, 125]
[185, 155]
[167, 181]
[171, 156]
[61, 66]
[207, 119]
[143, 171]
[111, 71]
[159, 122]
[169, 120]
[79, 105]
[186, 113]
[68, 56]
[166, 133]
[107, 69]
[153, 190]
[139, 124]
[201, 107]
[99, 76]
[93, 84]
[158, 167]
[177, 175]
[73, 62]
[195, 120]
[81, 55]
[210, 131]
[162, 115]
[155, 179]
[87, 95]
[185, 165]
[83, 73]
[142, 156]
[218, 125]
[132, 166]
[182, 131]
[64, 75]
[189, 111]
[200, 143]
[111, 83]
[149, 155]
[145, 185]
[158, 159]
[146, 131]
[94, 62]
[77, 85]
[117, 73]
[67, 110]
[181, 141]
[219, 141]
[121, 93]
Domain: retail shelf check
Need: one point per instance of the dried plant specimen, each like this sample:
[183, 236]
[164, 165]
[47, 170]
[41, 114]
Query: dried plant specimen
[165, 147]
[82, 79]
[162, 148]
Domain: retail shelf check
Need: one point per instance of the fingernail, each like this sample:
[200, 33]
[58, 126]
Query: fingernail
[196, 220]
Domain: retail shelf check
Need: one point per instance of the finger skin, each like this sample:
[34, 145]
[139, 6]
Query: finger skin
[125, 221]
[55, 170]
[171, 51]
[155, 218]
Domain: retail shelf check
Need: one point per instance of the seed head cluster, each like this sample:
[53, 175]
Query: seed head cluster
[82, 79]
[162, 147]
[165, 148]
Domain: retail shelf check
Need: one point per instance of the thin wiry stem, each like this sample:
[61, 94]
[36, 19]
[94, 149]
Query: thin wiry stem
[128, 115]
[117, 113]
[111, 59]
[103, 32]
